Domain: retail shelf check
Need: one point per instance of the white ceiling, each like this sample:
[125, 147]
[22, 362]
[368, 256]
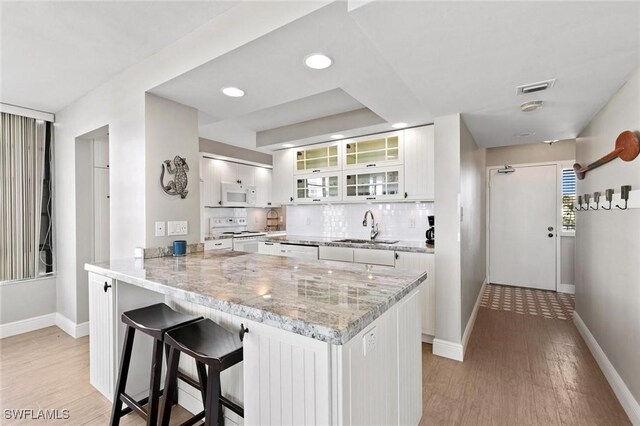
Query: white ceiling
[405, 61]
[54, 52]
[412, 61]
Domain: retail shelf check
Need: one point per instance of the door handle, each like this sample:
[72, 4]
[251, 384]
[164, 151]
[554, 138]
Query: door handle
[550, 235]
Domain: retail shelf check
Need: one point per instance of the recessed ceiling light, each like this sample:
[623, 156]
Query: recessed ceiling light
[531, 106]
[234, 92]
[551, 142]
[318, 61]
[337, 136]
[524, 134]
[399, 125]
[287, 145]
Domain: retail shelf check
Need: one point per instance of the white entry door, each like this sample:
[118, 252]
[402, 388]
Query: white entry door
[522, 227]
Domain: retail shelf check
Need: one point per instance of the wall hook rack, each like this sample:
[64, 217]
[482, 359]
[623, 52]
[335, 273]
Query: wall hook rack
[624, 194]
[596, 199]
[608, 194]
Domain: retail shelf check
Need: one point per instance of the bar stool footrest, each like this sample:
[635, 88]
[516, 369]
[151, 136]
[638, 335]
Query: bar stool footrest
[193, 420]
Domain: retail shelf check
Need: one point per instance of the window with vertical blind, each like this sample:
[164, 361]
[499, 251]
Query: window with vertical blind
[568, 200]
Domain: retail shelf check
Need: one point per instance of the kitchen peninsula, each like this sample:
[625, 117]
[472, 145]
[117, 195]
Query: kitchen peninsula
[328, 342]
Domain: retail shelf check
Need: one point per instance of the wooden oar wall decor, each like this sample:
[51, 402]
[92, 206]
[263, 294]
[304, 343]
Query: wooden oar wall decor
[627, 148]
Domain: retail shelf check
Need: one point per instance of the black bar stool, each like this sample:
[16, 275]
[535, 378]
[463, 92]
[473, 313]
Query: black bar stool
[155, 321]
[211, 346]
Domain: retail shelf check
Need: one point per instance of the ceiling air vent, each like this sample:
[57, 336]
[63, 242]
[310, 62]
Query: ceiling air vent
[535, 87]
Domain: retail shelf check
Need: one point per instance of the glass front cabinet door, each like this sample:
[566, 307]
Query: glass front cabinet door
[370, 184]
[318, 188]
[373, 151]
[318, 158]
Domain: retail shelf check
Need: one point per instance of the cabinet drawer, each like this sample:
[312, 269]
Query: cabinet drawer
[225, 244]
[374, 257]
[299, 251]
[342, 254]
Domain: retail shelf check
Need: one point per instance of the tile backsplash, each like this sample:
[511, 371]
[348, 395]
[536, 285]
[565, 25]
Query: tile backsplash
[402, 221]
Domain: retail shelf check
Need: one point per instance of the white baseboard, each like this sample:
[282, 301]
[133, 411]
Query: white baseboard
[427, 338]
[194, 405]
[71, 328]
[628, 402]
[27, 325]
[567, 288]
[448, 349]
[454, 350]
[472, 319]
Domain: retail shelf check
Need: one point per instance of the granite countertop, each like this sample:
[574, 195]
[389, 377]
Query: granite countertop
[327, 301]
[212, 237]
[405, 246]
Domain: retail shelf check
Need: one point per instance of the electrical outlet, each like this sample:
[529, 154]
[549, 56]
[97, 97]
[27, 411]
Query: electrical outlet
[177, 227]
[369, 341]
[160, 229]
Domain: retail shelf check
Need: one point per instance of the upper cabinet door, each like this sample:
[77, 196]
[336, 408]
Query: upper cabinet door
[318, 158]
[282, 187]
[318, 187]
[376, 183]
[419, 163]
[263, 183]
[101, 153]
[246, 174]
[373, 151]
[211, 194]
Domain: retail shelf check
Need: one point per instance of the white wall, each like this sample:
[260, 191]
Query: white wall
[460, 225]
[401, 221]
[447, 212]
[473, 243]
[608, 242]
[171, 129]
[120, 103]
[564, 150]
[20, 300]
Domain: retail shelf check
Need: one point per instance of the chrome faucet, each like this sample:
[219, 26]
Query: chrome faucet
[374, 226]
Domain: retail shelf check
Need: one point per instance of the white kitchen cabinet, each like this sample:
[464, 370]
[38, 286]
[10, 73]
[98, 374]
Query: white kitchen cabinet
[299, 251]
[341, 254]
[231, 172]
[324, 157]
[375, 183]
[263, 181]
[419, 163]
[374, 257]
[421, 262]
[267, 247]
[210, 171]
[102, 354]
[373, 151]
[224, 244]
[101, 153]
[283, 187]
[246, 174]
[318, 188]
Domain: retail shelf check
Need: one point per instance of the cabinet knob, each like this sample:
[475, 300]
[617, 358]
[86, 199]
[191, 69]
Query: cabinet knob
[371, 165]
[291, 199]
[406, 195]
[397, 256]
[371, 198]
[106, 286]
[242, 332]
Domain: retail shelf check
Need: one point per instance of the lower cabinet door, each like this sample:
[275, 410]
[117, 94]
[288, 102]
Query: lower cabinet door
[423, 262]
[374, 257]
[102, 369]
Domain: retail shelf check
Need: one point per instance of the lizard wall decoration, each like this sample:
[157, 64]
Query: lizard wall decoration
[177, 186]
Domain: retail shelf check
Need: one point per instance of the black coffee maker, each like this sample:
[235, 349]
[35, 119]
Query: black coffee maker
[431, 232]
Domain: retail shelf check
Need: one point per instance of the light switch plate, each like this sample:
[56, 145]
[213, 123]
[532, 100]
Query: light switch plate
[160, 229]
[177, 227]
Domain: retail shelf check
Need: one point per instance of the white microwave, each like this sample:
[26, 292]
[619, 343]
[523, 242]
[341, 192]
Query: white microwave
[238, 195]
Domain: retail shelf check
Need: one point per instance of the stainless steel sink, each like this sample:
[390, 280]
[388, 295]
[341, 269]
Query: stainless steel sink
[357, 241]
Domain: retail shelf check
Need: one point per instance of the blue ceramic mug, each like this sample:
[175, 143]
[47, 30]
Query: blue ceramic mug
[179, 248]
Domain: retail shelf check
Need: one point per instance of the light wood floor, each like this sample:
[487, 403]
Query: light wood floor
[518, 369]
